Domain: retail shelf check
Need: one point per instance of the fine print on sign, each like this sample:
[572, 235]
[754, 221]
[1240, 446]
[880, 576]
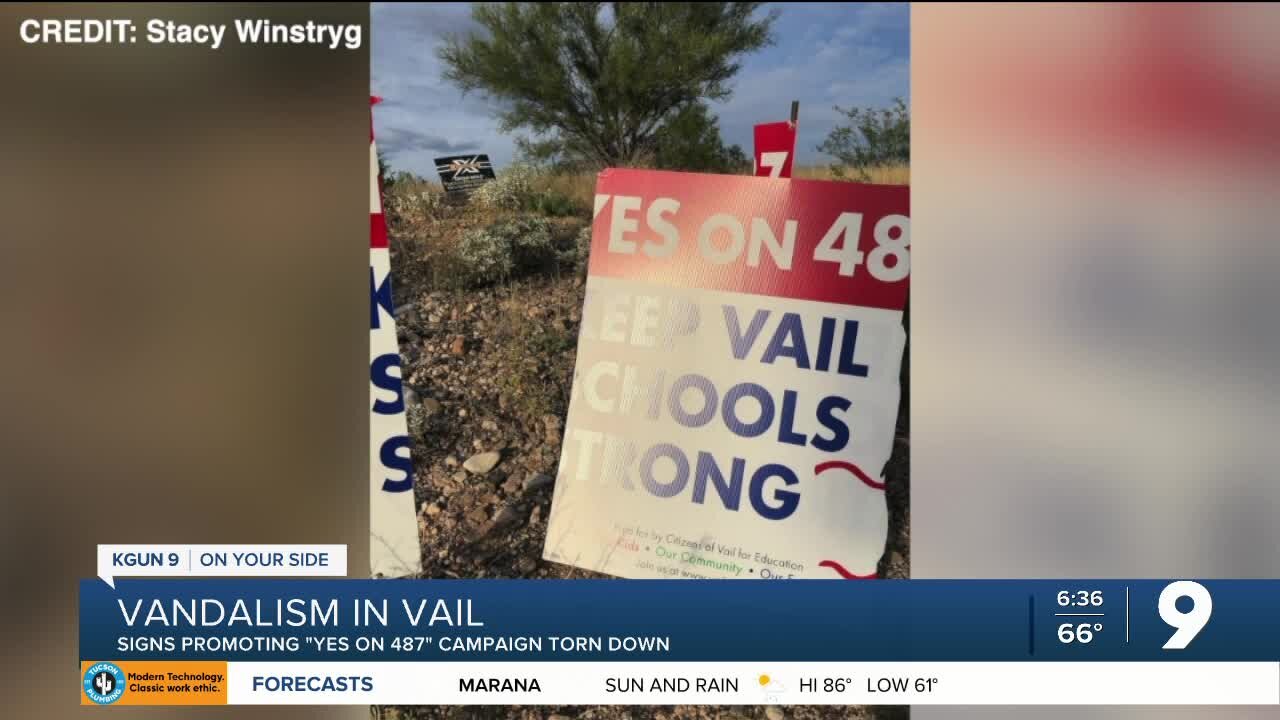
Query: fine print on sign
[462, 174]
[394, 548]
[736, 390]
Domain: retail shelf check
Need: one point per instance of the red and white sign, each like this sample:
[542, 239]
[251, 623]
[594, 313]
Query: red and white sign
[394, 547]
[775, 149]
[736, 390]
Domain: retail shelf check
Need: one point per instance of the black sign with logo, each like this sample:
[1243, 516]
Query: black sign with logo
[462, 174]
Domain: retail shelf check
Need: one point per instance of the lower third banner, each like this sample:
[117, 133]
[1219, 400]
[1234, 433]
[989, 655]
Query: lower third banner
[271, 641]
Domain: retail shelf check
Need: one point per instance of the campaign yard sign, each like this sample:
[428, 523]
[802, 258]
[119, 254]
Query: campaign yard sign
[775, 149]
[736, 389]
[462, 174]
[394, 548]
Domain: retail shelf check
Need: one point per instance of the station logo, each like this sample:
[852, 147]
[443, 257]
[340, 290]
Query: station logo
[104, 683]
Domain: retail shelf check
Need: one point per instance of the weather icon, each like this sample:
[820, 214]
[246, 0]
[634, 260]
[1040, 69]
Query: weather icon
[771, 688]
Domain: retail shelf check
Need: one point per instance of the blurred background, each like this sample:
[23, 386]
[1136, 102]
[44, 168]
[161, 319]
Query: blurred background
[1095, 338]
[184, 304]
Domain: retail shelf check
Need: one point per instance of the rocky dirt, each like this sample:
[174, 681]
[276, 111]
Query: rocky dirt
[488, 374]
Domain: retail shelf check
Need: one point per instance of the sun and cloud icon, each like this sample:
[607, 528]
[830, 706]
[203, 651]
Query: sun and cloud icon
[772, 689]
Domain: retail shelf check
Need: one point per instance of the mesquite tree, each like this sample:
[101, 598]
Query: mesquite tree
[598, 82]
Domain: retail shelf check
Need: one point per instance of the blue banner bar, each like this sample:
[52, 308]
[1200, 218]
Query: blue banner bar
[679, 620]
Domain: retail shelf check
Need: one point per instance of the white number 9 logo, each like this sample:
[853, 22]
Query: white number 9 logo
[1190, 623]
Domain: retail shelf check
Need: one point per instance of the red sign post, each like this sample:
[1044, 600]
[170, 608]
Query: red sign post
[776, 146]
[775, 149]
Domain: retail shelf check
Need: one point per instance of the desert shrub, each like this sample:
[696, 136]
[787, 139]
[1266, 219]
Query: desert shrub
[484, 256]
[578, 188]
[574, 253]
[531, 242]
[415, 206]
[505, 249]
[874, 138]
[513, 189]
[552, 203]
[526, 188]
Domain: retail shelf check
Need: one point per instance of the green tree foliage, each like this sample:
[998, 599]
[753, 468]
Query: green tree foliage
[596, 82]
[874, 137]
[385, 172]
[691, 140]
[391, 176]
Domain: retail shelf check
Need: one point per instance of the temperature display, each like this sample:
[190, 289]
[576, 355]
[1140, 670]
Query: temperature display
[1080, 615]
[1078, 632]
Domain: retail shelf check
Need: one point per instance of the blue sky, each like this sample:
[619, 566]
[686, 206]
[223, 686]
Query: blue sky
[825, 54]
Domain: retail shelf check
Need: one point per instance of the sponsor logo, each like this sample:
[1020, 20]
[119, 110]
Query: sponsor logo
[465, 166]
[104, 683]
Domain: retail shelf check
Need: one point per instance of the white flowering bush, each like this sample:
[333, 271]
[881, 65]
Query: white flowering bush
[484, 257]
[530, 240]
[432, 204]
[513, 189]
[495, 253]
[415, 208]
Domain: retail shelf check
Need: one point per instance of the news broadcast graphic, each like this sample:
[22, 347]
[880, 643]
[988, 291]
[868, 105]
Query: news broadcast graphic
[775, 149]
[507, 642]
[737, 380]
[220, 561]
[394, 548]
[462, 174]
